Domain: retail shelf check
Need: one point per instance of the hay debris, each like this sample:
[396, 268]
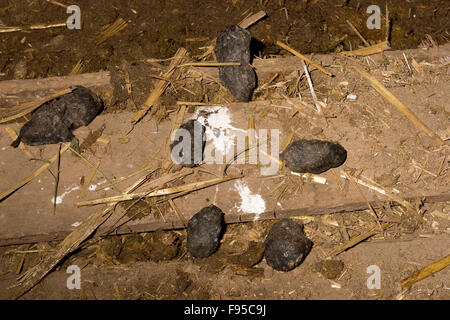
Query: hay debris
[376, 48]
[355, 240]
[58, 171]
[382, 191]
[34, 175]
[27, 107]
[34, 275]
[57, 3]
[298, 54]
[161, 86]
[426, 271]
[160, 192]
[398, 104]
[311, 88]
[39, 26]
[247, 22]
[358, 33]
[13, 135]
[118, 25]
[89, 180]
[209, 64]
[77, 68]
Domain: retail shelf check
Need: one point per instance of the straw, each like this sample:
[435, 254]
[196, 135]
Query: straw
[398, 104]
[298, 54]
[34, 175]
[161, 192]
[426, 271]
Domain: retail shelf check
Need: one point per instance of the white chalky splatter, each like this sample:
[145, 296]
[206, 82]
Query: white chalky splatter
[250, 202]
[93, 187]
[218, 127]
[59, 199]
[3, 148]
[76, 224]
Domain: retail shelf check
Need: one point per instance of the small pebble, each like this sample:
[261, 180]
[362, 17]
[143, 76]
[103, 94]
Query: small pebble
[313, 156]
[233, 45]
[286, 246]
[54, 120]
[203, 231]
[190, 153]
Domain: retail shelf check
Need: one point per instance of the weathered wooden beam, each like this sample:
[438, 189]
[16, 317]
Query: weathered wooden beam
[229, 219]
[108, 84]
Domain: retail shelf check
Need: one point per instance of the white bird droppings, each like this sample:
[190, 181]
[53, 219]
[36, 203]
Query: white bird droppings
[218, 127]
[93, 187]
[250, 202]
[59, 199]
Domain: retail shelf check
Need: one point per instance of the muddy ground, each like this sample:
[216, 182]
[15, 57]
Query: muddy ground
[157, 29]
[156, 265]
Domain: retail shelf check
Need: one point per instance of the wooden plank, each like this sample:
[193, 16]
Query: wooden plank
[26, 216]
[278, 214]
[109, 85]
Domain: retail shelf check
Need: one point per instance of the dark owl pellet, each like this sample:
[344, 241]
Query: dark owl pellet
[188, 147]
[286, 246]
[313, 156]
[233, 45]
[203, 231]
[54, 121]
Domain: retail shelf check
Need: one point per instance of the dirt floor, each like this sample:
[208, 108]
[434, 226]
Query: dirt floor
[382, 145]
[157, 29]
